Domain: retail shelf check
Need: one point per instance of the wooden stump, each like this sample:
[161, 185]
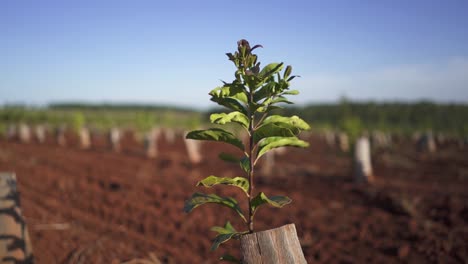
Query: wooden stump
[193, 148]
[11, 132]
[151, 143]
[15, 245]
[362, 161]
[114, 138]
[60, 134]
[169, 135]
[380, 139]
[85, 138]
[342, 141]
[426, 143]
[276, 246]
[40, 133]
[330, 138]
[24, 133]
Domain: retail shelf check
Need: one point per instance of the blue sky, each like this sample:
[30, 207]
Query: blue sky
[172, 52]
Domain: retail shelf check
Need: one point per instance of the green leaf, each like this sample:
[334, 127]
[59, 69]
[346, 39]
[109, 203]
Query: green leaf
[228, 157]
[292, 77]
[221, 238]
[216, 134]
[294, 121]
[276, 201]
[227, 229]
[245, 164]
[264, 92]
[275, 130]
[233, 90]
[198, 199]
[239, 182]
[230, 103]
[280, 99]
[270, 143]
[270, 69]
[228, 258]
[291, 92]
[223, 118]
[224, 234]
[287, 72]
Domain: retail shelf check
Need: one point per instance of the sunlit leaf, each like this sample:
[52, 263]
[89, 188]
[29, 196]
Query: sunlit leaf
[224, 234]
[227, 229]
[221, 238]
[230, 103]
[245, 164]
[264, 92]
[223, 118]
[198, 199]
[270, 69]
[270, 143]
[276, 201]
[287, 72]
[295, 121]
[239, 182]
[280, 100]
[275, 130]
[216, 134]
[291, 92]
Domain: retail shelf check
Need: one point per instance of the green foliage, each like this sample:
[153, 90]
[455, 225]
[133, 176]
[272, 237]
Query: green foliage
[352, 125]
[248, 101]
[78, 121]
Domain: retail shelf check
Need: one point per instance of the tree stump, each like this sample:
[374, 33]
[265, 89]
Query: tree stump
[11, 132]
[330, 138]
[15, 245]
[24, 133]
[193, 148]
[362, 161]
[40, 133]
[85, 138]
[114, 138]
[342, 140]
[151, 143]
[169, 135]
[426, 143]
[380, 139]
[60, 134]
[276, 246]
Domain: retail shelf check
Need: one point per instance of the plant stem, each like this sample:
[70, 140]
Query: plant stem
[250, 222]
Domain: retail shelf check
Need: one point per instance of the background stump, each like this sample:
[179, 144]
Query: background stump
[15, 245]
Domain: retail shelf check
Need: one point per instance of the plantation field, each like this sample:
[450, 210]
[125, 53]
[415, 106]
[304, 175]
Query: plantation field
[99, 206]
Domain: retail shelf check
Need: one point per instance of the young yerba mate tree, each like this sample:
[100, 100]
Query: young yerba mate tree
[249, 99]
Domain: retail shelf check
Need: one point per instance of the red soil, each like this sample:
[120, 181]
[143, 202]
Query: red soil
[121, 206]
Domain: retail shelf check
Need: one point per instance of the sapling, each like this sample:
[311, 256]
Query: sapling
[249, 100]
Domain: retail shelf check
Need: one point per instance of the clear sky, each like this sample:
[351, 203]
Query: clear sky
[173, 52]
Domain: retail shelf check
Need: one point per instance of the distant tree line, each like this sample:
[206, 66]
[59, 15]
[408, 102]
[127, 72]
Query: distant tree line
[348, 116]
[117, 107]
[390, 116]
[74, 115]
